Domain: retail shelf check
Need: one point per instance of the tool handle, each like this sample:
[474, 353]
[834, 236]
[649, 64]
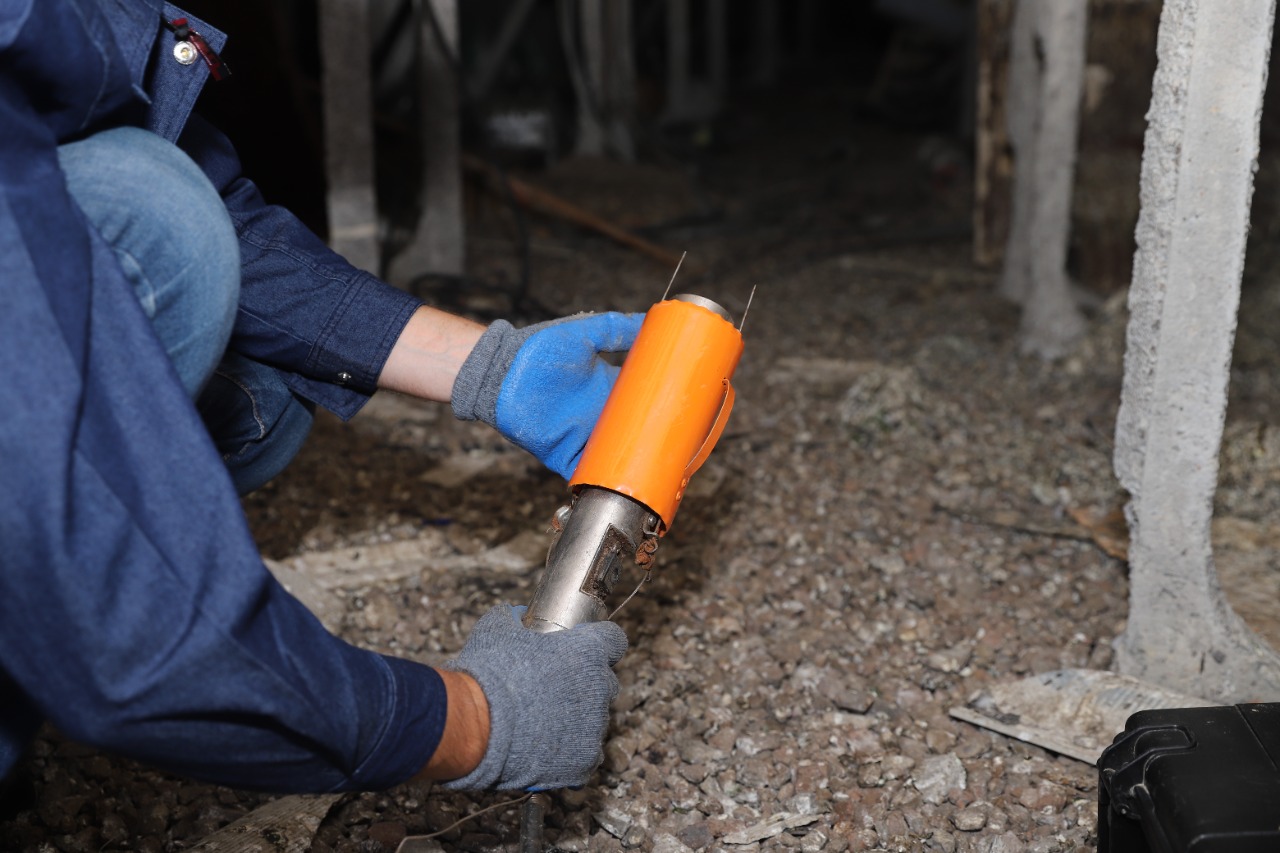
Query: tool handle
[713, 436]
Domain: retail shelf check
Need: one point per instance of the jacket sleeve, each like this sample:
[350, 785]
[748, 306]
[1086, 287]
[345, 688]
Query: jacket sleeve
[303, 308]
[135, 611]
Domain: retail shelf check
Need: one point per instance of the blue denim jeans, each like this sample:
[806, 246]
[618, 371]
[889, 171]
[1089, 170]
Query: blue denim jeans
[177, 247]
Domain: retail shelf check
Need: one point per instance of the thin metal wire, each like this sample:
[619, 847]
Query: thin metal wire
[679, 264]
[743, 321]
[460, 821]
[644, 580]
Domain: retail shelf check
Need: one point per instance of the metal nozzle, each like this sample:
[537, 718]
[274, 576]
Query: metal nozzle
[602, 533]
[703, 301]
[533, 817]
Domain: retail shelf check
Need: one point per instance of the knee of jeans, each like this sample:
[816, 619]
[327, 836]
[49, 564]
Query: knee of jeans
[254, 419]
[151, 202]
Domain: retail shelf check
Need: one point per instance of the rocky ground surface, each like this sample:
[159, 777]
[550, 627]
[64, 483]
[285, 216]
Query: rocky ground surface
[890, 525]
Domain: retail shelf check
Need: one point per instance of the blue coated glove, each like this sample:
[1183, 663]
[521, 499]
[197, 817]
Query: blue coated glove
[548, 697]
[543, 386]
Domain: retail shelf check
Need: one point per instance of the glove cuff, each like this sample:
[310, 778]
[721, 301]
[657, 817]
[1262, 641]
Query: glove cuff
[475, 390]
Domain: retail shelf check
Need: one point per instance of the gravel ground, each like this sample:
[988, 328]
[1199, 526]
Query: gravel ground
[885, 529]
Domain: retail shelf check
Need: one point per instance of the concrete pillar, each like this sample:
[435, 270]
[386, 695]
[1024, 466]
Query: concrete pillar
[1200, 153]
[606, 91]
[585, 52]
[618, 77]
[439, 241]
[691, 99]
[350, 198]
[1046, 80]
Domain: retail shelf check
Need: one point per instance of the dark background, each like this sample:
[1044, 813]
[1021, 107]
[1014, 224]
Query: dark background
[271, 108]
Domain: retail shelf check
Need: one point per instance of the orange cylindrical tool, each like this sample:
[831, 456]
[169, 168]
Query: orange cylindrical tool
[668, 407]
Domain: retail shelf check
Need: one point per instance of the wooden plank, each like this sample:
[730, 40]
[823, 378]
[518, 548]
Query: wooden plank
[286, 825]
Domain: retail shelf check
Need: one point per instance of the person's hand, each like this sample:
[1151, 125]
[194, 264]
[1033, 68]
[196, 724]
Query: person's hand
[543, 387]
[548, 696]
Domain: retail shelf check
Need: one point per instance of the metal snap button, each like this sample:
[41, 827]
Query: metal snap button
[185, 52]
[344, 378]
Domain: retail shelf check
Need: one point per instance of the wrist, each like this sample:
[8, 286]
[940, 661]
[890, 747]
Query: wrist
[466, 729]
[427, 356]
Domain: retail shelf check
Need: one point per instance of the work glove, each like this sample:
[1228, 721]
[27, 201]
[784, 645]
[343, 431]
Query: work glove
[543, 387]
[548, 695]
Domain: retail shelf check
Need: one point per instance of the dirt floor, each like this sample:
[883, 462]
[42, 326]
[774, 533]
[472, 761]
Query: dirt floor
[889, 525]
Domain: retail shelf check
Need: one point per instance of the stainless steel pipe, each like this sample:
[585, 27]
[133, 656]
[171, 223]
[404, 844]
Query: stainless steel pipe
[599, 537]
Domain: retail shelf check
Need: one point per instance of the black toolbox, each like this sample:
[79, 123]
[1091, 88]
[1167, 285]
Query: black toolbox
[1193, 780]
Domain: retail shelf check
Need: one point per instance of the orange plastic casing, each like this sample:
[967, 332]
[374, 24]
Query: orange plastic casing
[667, 409]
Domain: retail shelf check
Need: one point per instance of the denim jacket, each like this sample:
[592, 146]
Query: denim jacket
[135, 611]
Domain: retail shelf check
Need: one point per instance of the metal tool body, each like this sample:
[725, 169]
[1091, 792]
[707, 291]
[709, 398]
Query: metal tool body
[601, 532]
[667, 409]
[666, 412]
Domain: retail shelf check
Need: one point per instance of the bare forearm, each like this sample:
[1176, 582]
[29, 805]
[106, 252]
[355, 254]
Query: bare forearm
[426, 358]
[466, 729]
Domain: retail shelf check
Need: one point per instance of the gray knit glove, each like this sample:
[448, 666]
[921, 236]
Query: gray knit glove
[548, 695]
